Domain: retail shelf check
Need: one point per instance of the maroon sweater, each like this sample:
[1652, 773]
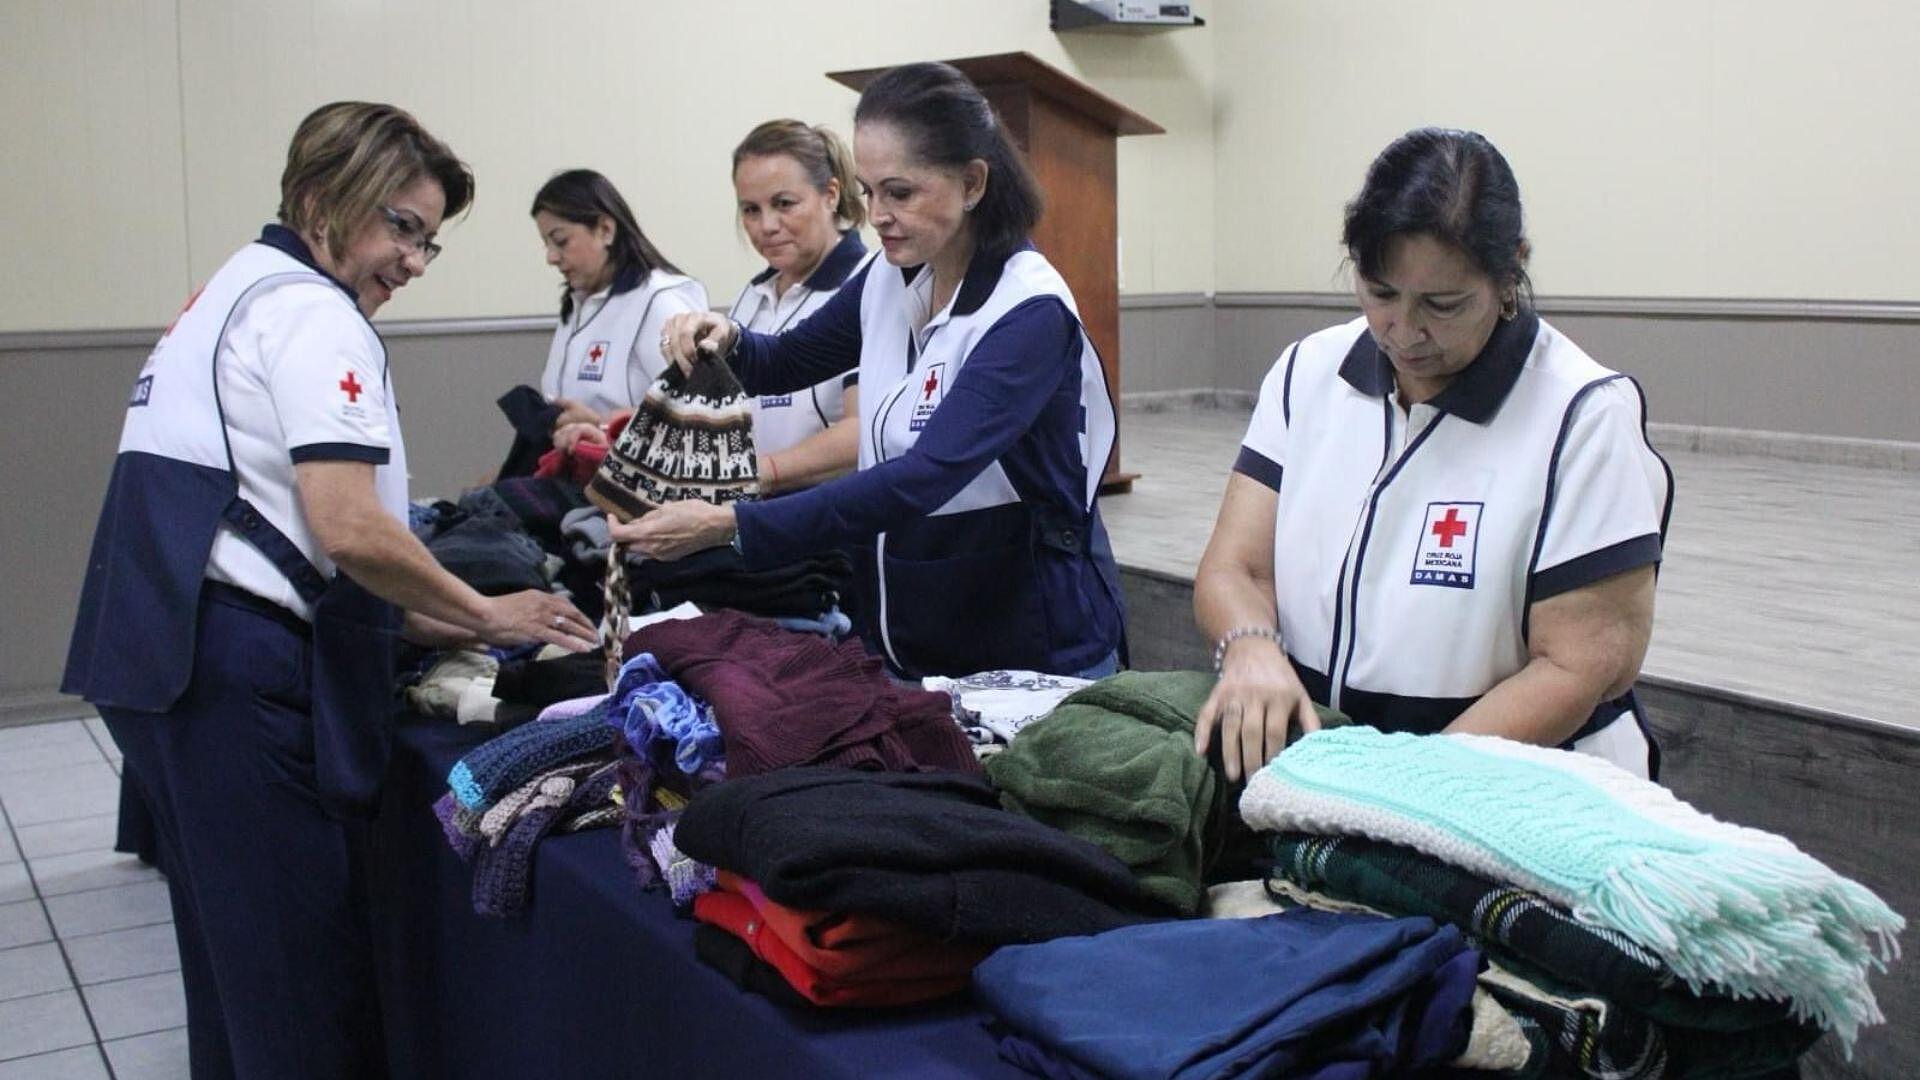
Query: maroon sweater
[783, 698]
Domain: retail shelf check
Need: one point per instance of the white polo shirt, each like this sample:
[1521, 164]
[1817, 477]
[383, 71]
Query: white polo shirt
[302, 377]
[781, 421]
[1410, 544]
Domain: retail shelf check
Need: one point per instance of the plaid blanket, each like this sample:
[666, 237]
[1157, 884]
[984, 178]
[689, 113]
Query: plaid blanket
[1713, 1035]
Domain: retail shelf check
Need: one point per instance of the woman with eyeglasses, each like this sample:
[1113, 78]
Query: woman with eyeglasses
[984, 416]
[618, 292]
[248, 577]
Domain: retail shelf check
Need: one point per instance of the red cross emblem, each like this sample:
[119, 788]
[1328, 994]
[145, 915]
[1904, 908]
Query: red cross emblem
[933, 383]
[1449, 528]
[594, 354]
[352, 386]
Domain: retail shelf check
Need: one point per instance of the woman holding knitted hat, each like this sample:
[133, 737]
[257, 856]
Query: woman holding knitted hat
[1445, 515]
[984, 418]
[237, 621]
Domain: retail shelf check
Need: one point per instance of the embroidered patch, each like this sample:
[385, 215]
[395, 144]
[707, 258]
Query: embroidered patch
[933, 387]
[776, 401]
[142, 391]
[594, 367]
[1449, 538]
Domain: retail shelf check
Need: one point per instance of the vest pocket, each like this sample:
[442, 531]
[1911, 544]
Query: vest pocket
[973, 610]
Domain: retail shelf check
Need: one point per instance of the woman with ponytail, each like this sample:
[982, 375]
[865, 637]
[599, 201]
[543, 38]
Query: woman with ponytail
[800, 208]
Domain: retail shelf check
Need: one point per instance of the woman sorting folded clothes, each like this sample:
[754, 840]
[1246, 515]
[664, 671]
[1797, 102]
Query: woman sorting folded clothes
[984, 418]
[244, 590]
[618, 293]
[1445, 516]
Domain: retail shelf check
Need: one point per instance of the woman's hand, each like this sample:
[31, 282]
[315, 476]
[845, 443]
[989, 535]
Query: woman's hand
[531, 615]
[692, 332]
[567, 437]
[1257, 697]
[572, 412]
[676, 530]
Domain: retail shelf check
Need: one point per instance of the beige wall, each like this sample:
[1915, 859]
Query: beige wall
[1733, 148]
[144, 139]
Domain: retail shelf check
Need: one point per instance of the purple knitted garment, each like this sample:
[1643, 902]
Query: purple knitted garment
[503, 875]
[447, 809]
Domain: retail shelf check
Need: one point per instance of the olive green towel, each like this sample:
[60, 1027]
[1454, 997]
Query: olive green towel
[1114, 764]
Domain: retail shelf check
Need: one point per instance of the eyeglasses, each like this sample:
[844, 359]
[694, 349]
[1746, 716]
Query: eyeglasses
[409, 231]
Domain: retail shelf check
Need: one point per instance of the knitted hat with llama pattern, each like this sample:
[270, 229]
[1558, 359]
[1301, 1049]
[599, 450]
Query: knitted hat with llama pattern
[692, 438]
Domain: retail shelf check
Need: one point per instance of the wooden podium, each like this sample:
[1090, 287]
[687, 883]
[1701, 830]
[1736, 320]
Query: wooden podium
[1067, 130]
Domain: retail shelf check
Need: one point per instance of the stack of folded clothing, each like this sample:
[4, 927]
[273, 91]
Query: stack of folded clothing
[809, 588]
[824, 958]
[932, 853]
[1304, 993]
[669, 747]
[553, 774]
[1114, 764]
[1706, 1033]
[1594, 880]
[784, 699]
[806, 588]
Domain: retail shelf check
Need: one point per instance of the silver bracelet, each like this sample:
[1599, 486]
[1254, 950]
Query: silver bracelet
[1238, 632]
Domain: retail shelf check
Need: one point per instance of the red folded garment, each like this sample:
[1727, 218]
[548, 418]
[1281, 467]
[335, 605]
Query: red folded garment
[856, 948]
[737, 916]
[784, 699]
[586, 457]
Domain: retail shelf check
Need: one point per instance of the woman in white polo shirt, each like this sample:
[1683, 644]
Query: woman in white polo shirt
[619, 292]
[1445, 515]
[245, 583]
[800, 207]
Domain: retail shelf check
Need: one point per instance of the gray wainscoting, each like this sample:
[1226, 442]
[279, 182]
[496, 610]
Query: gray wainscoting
[64, 395]
[1727, 373]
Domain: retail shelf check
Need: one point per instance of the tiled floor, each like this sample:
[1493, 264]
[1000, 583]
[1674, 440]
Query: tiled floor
[1794, 582]
[89, 976]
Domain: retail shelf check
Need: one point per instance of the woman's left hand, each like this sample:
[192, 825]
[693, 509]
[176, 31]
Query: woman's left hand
[566, 439]
[676, 530]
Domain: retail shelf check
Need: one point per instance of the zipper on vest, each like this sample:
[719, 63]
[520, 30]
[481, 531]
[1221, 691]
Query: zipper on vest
[880, 575]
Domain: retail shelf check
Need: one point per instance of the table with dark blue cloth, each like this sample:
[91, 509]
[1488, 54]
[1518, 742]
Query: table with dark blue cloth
[597, 978]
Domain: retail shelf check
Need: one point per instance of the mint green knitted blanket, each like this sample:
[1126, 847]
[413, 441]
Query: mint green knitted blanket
[1720, 903]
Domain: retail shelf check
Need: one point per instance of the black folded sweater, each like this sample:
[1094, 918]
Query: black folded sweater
[933, 851]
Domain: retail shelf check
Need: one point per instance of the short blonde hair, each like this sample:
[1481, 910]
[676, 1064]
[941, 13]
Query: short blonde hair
[349, 158]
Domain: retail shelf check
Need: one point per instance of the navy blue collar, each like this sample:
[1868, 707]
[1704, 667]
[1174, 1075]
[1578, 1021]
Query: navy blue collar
[833, 271]
[1475, 394]
[627, 280]
[282, 239]
[983, 276]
